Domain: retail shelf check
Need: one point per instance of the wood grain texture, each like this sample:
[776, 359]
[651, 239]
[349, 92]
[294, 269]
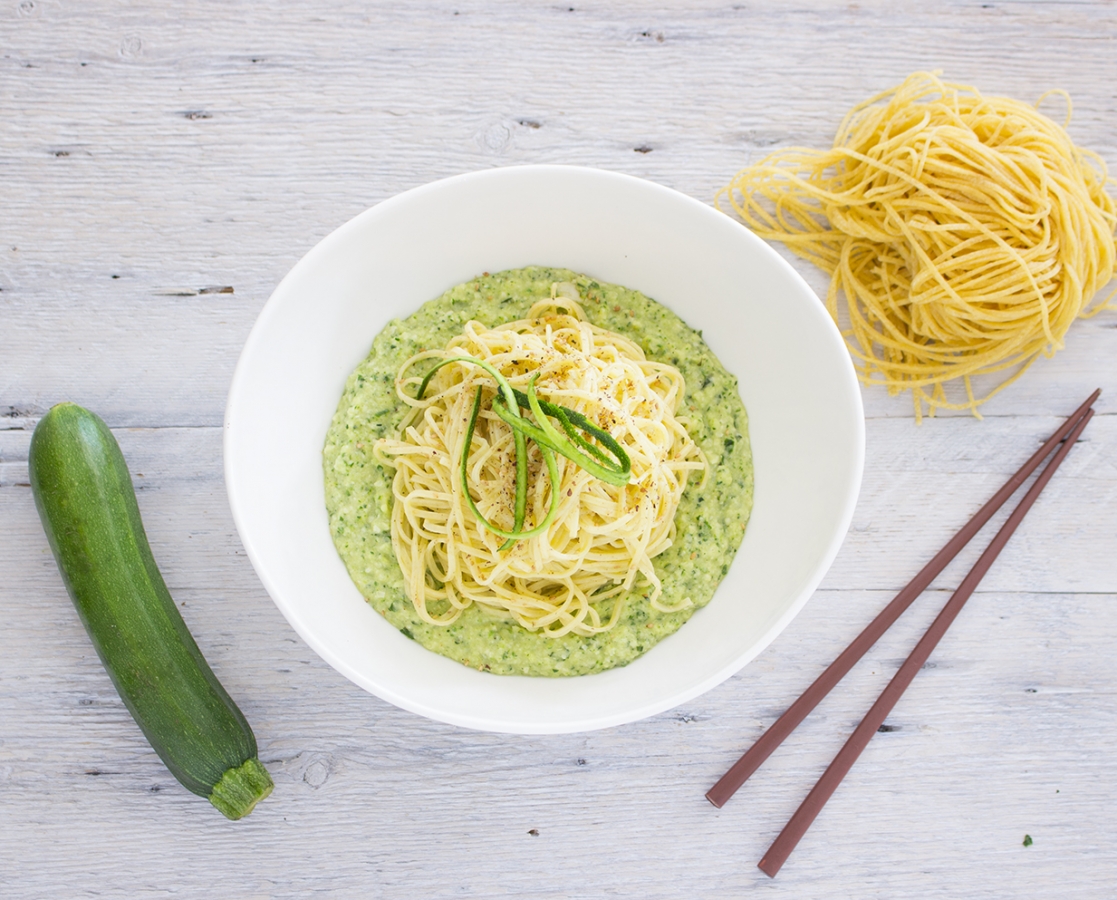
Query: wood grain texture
[163, 166]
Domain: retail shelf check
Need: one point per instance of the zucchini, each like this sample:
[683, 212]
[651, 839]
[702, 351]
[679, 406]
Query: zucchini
[88, 507]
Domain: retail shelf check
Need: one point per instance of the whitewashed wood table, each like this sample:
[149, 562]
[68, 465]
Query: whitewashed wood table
[162, 166]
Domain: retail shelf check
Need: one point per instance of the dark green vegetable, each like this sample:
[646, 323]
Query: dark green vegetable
[571, 419]
[88, 508]
[552, 473]
[517, 436]
[616, 470]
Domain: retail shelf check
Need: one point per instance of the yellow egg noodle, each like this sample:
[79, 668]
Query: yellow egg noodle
[603, 537]
[965, 233]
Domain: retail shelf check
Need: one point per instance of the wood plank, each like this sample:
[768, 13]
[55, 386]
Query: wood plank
[341, 755]
[920, 486]
[208, 148]
[1007, 735]
[250, 194]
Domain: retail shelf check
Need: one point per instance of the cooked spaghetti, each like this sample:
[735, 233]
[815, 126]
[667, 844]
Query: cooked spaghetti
[965, 233]
[573, 577]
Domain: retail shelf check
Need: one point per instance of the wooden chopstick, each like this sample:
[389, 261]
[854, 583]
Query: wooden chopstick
[740, 772]
[797, 826]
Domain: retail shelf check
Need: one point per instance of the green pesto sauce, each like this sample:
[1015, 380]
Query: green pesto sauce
[710, 523]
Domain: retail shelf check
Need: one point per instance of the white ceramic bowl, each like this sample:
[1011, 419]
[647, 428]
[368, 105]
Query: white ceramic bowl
[762, 320]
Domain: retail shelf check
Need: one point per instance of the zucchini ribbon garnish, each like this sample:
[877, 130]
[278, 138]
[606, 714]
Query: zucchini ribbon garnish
[607, 462]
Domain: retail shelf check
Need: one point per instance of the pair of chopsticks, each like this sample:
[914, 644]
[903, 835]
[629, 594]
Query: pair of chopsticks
[797, 826]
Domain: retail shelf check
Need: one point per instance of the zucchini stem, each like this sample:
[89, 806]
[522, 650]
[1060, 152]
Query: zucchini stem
[241, 788]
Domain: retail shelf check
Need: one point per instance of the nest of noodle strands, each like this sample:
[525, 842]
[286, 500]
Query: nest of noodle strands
[965, 233]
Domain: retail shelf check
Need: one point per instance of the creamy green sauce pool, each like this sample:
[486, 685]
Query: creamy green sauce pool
[710, 523]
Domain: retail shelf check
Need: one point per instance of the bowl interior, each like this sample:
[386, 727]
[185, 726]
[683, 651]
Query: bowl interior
[756, 313]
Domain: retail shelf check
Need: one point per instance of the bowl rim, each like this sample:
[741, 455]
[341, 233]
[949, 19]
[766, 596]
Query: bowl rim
[392, 695]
